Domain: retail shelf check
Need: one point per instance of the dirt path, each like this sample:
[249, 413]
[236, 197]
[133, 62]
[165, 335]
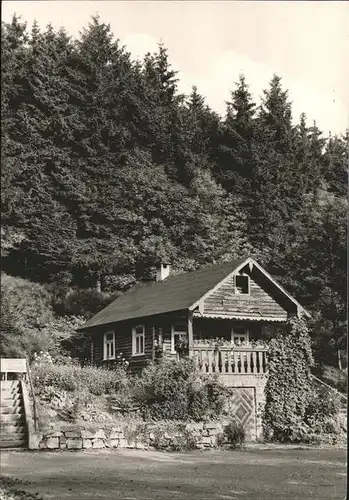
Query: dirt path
[145, 475]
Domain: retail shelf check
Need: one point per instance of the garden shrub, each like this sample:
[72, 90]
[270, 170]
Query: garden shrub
[176, 390]
[124, 402]
[185, 441]
[322, 417]
[234, 434]
[170, 435]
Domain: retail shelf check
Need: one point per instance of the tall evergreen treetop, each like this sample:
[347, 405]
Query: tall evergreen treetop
[241, 108]
[275, 116]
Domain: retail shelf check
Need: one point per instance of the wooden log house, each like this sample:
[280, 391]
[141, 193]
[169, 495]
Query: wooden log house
[233, 301]
[221, 313]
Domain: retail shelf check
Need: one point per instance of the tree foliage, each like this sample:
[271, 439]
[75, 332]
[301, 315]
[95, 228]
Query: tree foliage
[107, 168]
[28, 323]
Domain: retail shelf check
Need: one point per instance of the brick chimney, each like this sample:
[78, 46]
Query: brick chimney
[162, 272]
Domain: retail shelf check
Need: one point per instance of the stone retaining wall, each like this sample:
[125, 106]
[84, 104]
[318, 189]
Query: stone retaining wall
[204, 435]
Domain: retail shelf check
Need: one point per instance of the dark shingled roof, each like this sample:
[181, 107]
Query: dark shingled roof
[173, 294]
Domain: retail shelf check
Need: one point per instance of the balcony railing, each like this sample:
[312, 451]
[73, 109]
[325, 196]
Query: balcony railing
[231, 360]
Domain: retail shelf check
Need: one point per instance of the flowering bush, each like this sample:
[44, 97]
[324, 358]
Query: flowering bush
[41, 357]
[182, 346]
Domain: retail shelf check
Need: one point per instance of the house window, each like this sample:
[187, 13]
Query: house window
[239, 335]
[138, 340]
[242, 284]
[109, 346]
[177, 333]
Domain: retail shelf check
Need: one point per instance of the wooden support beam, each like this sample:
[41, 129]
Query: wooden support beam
[190, 333]
[153, 344]
[92, 351]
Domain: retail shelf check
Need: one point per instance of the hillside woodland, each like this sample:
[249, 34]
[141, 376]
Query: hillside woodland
[107, 168]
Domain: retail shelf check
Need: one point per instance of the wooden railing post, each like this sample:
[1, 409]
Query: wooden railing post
[36, 416]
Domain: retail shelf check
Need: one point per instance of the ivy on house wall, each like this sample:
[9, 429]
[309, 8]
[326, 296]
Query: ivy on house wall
[289, 386]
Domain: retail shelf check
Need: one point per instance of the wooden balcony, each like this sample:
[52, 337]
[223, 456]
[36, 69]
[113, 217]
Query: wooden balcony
[231, 360]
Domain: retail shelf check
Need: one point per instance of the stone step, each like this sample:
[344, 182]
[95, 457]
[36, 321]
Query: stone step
[17, 433]
[11, 417]
[10, 395]
[15, 390]
[10, 387]
[13, 431]
[10, 402]
[13, 387]
[9, 427]
[13, 443]
[14, 410]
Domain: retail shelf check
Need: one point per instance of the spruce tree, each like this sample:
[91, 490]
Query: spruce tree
[235, 152]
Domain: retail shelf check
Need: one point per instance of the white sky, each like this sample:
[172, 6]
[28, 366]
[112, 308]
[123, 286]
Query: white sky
[211, 42]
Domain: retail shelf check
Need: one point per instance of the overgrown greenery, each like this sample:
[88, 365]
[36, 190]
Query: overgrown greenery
[168, 390]
[107, 168]
[28, 321]
[234, 434]
[181, 439]
[295, 410]
[322, 418]
[64, 374]
[177, 390]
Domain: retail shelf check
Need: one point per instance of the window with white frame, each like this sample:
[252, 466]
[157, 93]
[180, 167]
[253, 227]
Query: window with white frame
[138, 340]
[109, 346]
[239, 335]
[177, 333]
[242, 284]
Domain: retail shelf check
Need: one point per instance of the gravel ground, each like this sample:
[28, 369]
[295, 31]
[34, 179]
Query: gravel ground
[253, 474]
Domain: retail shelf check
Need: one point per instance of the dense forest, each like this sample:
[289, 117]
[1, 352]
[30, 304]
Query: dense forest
[107, 168]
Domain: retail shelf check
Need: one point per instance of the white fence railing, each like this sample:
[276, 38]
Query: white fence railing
[231, 360]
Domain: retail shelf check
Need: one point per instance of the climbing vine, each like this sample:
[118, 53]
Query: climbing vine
[289, 386]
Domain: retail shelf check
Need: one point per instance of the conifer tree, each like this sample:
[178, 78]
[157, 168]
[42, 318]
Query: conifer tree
[235, 161]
